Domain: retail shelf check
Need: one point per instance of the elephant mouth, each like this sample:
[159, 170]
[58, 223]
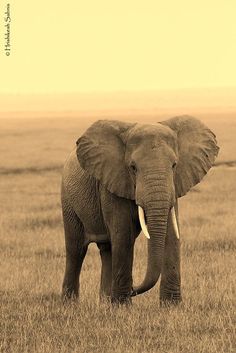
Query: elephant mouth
[143, 223]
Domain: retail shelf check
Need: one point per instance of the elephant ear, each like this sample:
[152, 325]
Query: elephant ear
[197, 148]
[101, 152]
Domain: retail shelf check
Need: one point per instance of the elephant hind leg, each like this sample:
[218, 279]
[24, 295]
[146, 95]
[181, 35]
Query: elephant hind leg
[75, 251]
[106, 272]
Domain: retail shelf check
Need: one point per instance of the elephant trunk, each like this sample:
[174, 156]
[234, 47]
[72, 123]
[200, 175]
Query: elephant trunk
[156, 210]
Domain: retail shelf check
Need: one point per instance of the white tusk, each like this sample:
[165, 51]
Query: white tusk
[176, 229]
[142, 222]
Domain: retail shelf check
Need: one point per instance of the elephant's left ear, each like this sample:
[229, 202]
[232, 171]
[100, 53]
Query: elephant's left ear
[197, 148]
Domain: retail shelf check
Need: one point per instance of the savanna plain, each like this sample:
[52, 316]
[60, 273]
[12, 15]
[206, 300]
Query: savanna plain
[33, 317]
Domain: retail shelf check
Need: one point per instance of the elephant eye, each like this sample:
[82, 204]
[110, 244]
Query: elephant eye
[174, 165]
[133, 168]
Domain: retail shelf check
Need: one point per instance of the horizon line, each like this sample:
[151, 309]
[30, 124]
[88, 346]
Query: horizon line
[113, 91]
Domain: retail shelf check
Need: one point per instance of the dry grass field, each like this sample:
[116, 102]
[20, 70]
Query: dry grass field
[32, 316]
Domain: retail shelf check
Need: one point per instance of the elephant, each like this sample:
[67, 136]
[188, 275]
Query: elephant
[125, 177]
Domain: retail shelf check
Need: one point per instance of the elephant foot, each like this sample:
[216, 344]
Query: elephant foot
[170, 300]
[69, 294]
[121, 300]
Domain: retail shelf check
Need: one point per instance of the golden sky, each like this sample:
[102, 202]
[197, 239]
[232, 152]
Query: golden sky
[105, 45]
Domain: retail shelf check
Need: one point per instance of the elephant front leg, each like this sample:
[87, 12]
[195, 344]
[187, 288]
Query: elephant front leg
[120, 218]
[106, 272]
[122, 263]
[170, 288]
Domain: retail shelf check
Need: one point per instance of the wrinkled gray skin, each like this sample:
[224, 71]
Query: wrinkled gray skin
[116, 167]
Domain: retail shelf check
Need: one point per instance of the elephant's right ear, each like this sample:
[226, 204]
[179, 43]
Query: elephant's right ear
[101, 152]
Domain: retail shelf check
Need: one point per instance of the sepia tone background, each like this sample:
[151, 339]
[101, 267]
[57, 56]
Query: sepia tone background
[71, 64]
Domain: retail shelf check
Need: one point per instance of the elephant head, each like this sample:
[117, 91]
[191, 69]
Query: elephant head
[153, 165]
